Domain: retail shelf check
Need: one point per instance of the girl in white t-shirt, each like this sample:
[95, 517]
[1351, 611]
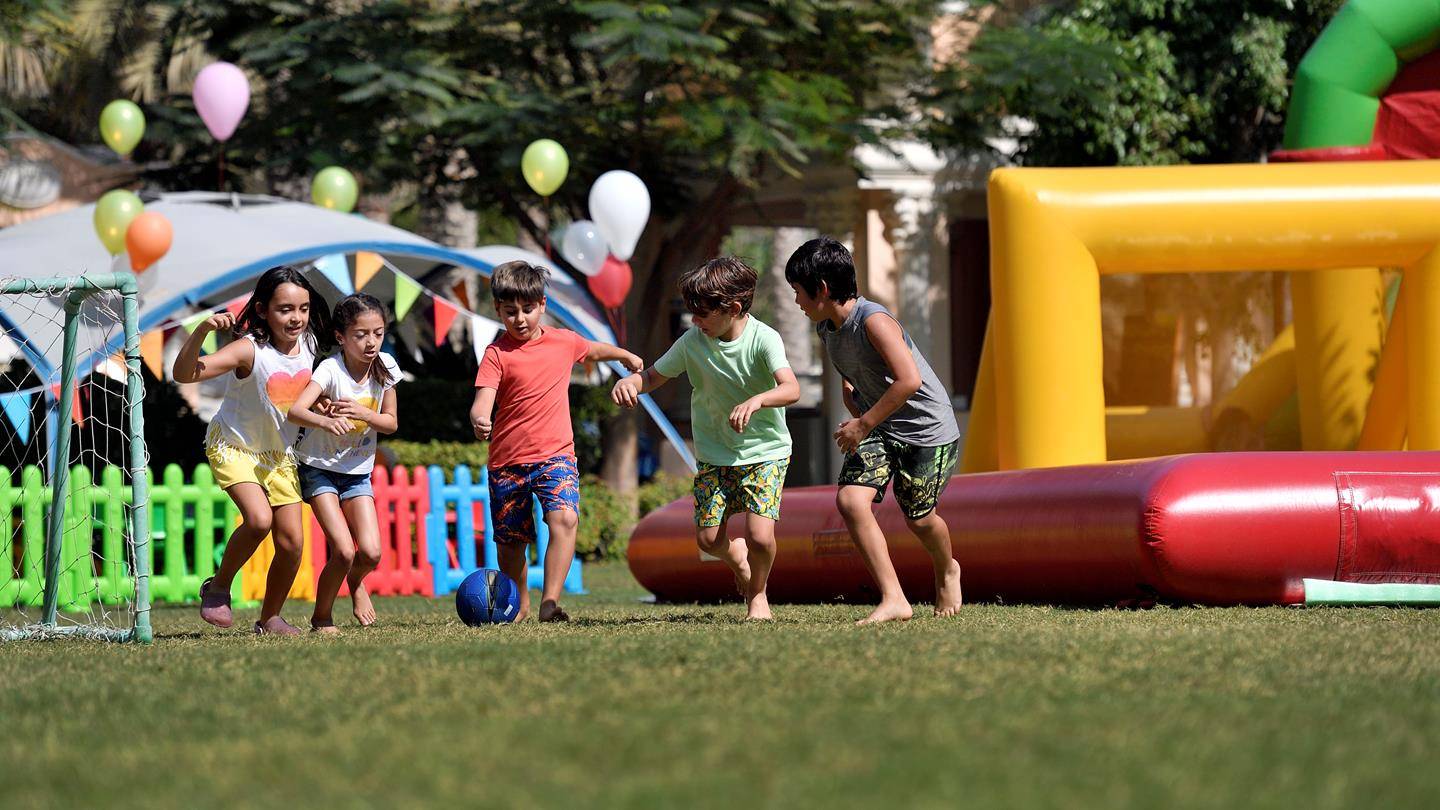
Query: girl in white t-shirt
[337, 452]
[249, 442]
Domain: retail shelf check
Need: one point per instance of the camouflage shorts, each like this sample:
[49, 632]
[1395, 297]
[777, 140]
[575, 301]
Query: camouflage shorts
[920, 473]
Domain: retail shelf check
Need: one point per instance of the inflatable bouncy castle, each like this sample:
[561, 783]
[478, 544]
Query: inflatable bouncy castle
[1045, 512]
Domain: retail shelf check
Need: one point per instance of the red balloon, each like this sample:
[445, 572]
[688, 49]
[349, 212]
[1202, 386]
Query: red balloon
[612, 283]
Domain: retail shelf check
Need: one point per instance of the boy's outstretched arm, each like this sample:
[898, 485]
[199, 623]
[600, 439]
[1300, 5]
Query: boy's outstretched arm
[885, 335]
[480, 412]
[605, 351]
[785, 392]
[626, 393]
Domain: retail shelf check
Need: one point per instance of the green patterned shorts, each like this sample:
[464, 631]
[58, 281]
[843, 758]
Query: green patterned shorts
[920, 473]
[724, 491]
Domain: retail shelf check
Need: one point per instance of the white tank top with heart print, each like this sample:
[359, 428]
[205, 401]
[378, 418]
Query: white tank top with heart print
[252, 415]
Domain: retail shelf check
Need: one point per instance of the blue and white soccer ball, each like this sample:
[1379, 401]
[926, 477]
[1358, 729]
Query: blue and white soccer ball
[487, 597]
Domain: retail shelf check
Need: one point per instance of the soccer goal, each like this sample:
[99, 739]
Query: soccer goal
[74, 552]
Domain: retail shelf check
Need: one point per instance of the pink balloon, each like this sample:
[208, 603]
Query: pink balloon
[222, 93]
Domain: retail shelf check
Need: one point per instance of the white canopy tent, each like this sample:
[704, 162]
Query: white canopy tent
[222, 243]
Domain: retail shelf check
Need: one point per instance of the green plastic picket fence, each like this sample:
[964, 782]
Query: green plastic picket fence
[189, 522]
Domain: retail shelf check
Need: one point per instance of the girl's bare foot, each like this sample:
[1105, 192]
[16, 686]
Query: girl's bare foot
[757, 609]
[889, 611]
[364, 609]
[947, 591]
[551, 611]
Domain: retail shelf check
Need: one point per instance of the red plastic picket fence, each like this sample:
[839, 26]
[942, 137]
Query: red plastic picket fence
[402, 502]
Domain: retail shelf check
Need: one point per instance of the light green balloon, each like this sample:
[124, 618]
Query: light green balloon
[122, 125]
[545, 165]
[113, 214]
[334, 188]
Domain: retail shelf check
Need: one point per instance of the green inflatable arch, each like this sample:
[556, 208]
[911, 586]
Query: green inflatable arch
[1339, 83]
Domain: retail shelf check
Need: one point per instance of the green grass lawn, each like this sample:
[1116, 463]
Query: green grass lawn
[641, 705]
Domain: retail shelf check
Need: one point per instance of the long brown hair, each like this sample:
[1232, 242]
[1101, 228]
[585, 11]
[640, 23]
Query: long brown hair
[350, 308]
[252, 322]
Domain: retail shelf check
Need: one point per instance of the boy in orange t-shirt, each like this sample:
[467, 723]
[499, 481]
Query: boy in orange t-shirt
[524, 379]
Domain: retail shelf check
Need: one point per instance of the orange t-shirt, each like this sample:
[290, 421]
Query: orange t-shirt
[532, 395]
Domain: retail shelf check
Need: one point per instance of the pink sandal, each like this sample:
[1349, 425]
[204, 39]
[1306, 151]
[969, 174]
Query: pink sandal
[215, 605]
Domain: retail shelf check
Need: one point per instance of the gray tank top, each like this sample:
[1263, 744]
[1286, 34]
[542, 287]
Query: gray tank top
[927, 419]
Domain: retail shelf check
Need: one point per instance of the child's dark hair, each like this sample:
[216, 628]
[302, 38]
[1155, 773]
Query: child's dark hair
[717, 283]
[252, 321]
[350, 308]
[518, 282]
[823, 259]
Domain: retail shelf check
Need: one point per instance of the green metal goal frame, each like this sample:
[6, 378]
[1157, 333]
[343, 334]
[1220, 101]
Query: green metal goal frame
[76, 289]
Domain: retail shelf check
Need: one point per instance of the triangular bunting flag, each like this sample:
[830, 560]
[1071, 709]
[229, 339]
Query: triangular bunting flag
[334, 268]
[152, 351]
[462, 294]
[445, 313]
[406, 291]
[17, 410]
[482, 332]
[193, 322]
[76, 413]
[367, 264]
[236, 305]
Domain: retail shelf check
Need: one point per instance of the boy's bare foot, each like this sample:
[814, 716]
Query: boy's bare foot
[897, 611]
[947, 591]
[758, 609]
[364, 609]
[552, 612]
[742, 577]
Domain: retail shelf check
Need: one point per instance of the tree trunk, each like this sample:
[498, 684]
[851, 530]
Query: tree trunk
[790, 321]
[662, 255]
[444, 219]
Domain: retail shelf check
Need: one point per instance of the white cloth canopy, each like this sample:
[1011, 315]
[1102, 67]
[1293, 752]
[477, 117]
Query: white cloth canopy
[222, 243]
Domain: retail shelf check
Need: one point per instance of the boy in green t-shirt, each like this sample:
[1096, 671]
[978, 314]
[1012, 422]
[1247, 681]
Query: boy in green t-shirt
[742, 384]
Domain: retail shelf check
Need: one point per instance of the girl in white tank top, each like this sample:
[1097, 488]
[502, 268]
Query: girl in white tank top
[249, 443]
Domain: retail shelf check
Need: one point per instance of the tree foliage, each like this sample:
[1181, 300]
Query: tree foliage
[1132, 82]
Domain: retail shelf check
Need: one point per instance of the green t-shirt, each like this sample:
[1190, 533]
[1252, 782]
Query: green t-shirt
[725, 374]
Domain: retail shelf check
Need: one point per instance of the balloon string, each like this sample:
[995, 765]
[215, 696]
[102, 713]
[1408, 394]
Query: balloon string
[220, 176]
[545, 202]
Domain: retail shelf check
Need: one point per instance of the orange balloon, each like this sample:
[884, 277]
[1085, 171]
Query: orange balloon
[147, 239]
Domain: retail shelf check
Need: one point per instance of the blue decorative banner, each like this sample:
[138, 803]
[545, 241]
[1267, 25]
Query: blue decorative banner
[17, 411]
[335, 269]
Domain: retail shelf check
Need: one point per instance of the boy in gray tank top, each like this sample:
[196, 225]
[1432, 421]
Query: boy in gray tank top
[902, 427]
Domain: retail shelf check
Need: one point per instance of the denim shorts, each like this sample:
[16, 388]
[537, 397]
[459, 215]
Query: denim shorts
[316, 481]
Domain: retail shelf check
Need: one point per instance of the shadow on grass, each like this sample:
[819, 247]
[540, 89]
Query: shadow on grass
[657, 618]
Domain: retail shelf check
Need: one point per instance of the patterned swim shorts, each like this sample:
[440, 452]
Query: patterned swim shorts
[753, 488]
[920, 473]
[555, 481]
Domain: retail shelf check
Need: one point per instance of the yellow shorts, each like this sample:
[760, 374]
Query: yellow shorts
[276, 473]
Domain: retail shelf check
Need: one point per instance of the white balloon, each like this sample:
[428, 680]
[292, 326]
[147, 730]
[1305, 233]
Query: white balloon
[583, 246]
[620, 204]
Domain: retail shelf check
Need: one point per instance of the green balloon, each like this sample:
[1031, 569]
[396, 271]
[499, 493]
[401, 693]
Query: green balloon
[113, 214]
[545, 165]
[334, 188]
[122, 125]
